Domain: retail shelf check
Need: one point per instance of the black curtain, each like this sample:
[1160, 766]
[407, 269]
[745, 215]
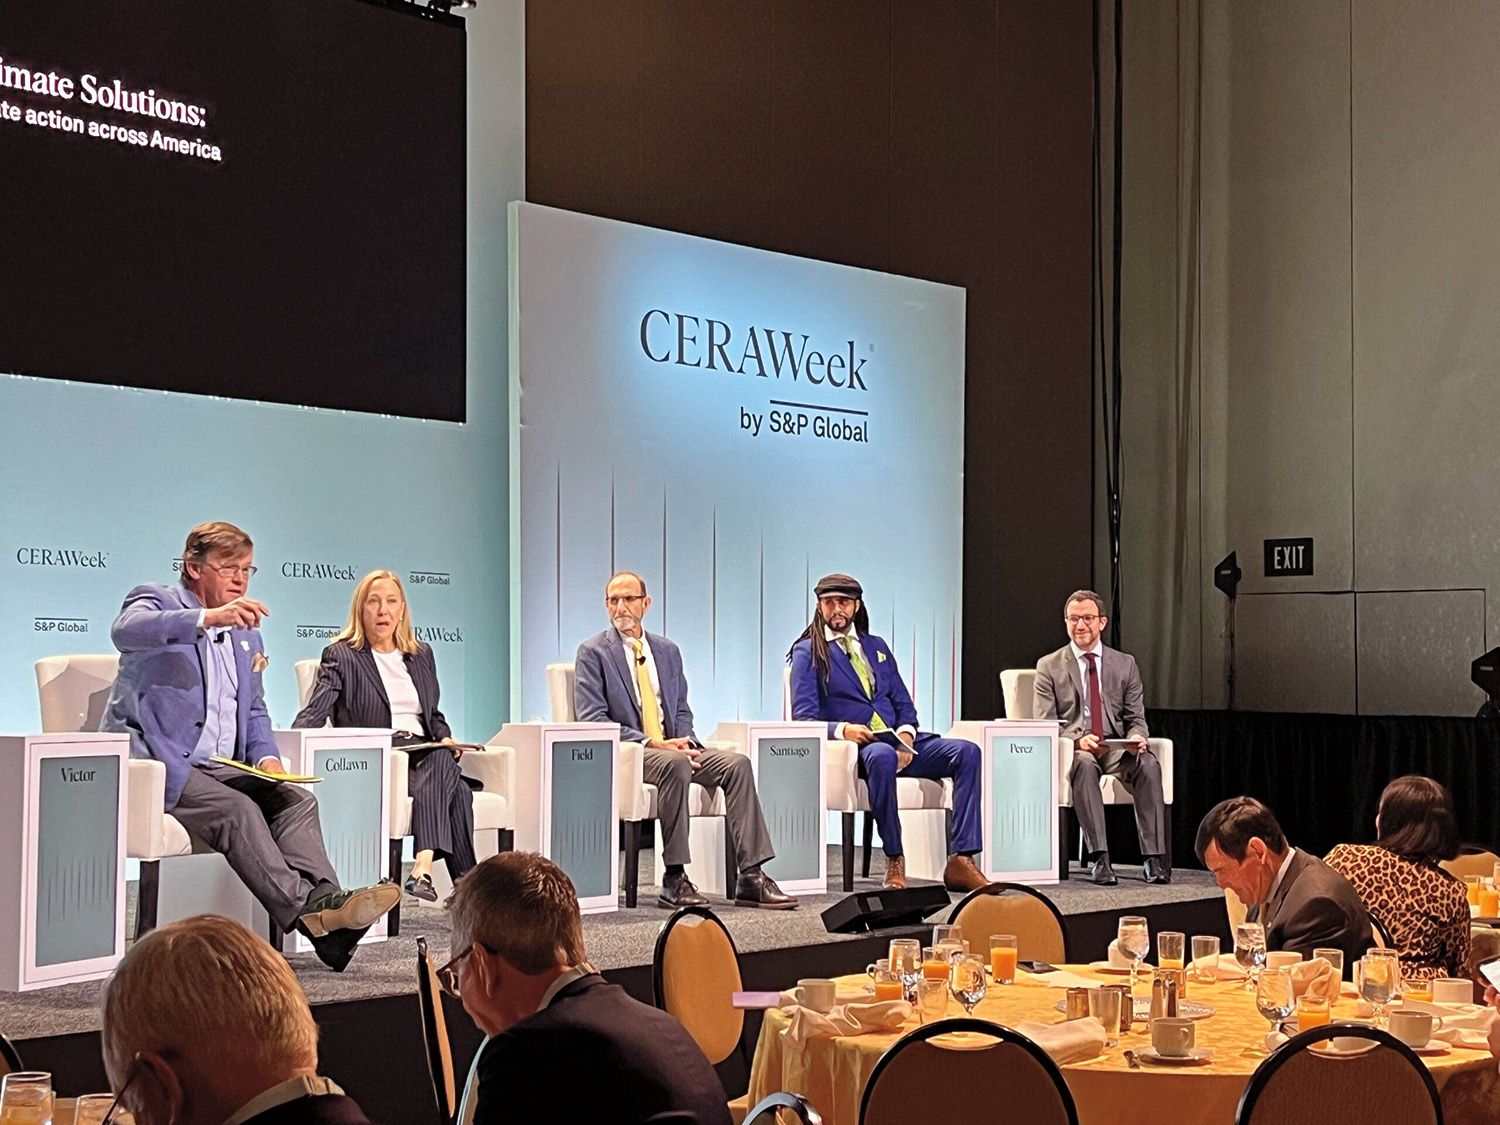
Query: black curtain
[1322, 774]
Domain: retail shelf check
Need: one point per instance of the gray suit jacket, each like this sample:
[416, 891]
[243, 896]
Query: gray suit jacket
[1316, 907]
[604, 693]
[1060, 693]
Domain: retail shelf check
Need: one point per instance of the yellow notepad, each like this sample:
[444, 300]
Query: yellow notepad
[300, 779]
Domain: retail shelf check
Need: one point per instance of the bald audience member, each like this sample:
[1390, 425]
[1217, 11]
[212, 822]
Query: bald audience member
[205, 1024]
[560, 1038]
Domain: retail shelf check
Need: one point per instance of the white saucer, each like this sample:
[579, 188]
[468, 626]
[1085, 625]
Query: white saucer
[1117, 970]
[1433, 1047]
[1196, 1055]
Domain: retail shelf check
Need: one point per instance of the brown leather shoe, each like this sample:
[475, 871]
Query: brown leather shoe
[962, 875]
[895, 873]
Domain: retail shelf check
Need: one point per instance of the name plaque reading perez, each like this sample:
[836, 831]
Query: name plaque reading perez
[76, 858]
[787, 775]
[582, 834]
[1023, 808]
[349, 803]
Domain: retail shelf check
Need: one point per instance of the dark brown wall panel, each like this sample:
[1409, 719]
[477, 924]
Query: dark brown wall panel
[946, 139]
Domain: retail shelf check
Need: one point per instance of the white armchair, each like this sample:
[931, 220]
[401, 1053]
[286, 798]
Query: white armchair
[494, 805]
[638, 802]
[1018, 685]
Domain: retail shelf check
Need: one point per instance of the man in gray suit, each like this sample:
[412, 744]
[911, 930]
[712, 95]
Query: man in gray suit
[1096, 692]
[1302, 902]
[628, 676]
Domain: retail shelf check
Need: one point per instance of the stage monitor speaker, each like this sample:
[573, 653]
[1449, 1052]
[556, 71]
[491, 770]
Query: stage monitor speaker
[1485, 672]
[878, 910]
[1227, 575]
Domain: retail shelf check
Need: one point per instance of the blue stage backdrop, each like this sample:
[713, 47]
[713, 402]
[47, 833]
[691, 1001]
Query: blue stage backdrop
[731, 424]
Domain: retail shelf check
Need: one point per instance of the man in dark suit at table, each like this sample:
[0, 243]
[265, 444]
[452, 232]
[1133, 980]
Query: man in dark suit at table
[1302, 902]
[628, 676]
[1096, 692]
[189, 695]
[559, 1037]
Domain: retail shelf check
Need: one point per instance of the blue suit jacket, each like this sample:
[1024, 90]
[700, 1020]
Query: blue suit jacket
[603, 691]
[159, 695]
[841, 698]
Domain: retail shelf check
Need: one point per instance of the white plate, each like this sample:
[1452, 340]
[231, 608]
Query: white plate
[1116, 970]
[1196, 1055]
[1186, 1009]
[1433, 1047]
[1360, 1046]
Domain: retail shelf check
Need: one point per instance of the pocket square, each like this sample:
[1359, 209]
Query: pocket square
[258, 662]
[880, 658]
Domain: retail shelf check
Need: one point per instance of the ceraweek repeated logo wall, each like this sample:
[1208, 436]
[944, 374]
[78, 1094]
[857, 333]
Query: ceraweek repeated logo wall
[766, 353]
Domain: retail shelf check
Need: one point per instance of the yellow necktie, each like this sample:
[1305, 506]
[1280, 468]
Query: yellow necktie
[650, 712]
[866, 680]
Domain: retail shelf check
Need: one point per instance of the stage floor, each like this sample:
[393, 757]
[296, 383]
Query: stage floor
[625, 940]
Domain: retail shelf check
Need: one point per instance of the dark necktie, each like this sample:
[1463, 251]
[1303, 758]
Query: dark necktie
[1096, 704]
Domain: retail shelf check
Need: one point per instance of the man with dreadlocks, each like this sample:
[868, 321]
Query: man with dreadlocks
[846, 676]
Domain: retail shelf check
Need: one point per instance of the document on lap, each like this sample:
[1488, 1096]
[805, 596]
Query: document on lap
[297, 778]
[440, 745]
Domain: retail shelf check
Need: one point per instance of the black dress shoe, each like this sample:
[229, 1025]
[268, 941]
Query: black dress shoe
[336, 947]
[760, 890]
[1100, 871]
[1157, 870]
[678, 890]
[421, 887]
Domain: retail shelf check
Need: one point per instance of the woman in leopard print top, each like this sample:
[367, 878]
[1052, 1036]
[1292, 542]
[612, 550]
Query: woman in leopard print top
[1424, 909]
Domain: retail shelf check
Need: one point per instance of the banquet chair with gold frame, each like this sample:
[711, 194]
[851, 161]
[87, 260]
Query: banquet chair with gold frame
[10, 1060]
[1379, 934]
[1471, 860]
[769, 1110]
[1011, 908]
[922, 1078]
[435, 1036]
[695, 972]
[1380, 1084]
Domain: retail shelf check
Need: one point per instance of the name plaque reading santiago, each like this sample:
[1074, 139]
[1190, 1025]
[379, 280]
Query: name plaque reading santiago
[76, 858]
[582, 841]
[1021, 803]
[787, 779]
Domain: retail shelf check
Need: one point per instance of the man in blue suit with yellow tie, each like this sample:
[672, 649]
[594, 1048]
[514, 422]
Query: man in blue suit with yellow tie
[845, 675]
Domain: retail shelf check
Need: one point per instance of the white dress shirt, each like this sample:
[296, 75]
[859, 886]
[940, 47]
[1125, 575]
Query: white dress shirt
[837, 639]
[635, 686]
[302, 1086]
[406, 707]
[1083, 675]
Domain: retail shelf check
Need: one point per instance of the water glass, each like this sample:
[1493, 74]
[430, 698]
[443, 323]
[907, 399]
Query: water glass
[91, 1108]
[905, 958]
[968, 982]
[1250, 950]
[1134, 941]
[932, 1000]
[1273, 996]
[1206, 958]
[1003, 958]
[1104, 1006]
[1334, 957]
[1169, 949]
[947, 935]
[1379, 979]
[26, 1098]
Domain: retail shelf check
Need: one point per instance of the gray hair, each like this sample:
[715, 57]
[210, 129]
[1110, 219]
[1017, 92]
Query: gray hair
[522, 906]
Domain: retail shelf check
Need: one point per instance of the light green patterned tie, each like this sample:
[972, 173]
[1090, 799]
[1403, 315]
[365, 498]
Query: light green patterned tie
[866, 678]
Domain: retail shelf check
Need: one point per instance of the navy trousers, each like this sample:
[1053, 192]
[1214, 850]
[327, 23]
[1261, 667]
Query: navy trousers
[442, 809]
[936, 758]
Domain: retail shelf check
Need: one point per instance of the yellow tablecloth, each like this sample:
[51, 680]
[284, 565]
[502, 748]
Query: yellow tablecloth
[832, 1072]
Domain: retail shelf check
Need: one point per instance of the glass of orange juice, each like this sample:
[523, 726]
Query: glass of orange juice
[1003, 958]
[1471, 884]
[1169, 949]
[1417, 989]
[1489, 900]
[888, 985]
[934, 963]
[1312, 1011]
[26, 1098]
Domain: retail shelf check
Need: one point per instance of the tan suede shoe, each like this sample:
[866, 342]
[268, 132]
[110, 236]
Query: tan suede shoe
[895, 872]
[962, 875]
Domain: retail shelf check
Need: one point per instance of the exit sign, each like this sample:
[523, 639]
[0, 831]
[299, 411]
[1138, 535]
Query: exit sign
[1288, 558]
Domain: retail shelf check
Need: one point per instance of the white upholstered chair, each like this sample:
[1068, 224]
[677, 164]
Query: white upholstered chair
[708, 831]
[1018, 686]
[494, 805]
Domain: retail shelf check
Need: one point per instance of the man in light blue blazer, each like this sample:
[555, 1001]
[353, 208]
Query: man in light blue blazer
[189, 692]
[628, 676]
[846, 676]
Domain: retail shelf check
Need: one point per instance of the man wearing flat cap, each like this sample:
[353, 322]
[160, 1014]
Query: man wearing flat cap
[846, 676]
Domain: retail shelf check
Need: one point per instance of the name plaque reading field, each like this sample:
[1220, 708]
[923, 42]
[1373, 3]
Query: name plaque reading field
[1019, 798]
[582, 834]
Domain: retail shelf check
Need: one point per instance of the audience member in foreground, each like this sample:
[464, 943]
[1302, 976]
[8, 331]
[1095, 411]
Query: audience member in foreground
[560, 1039]
[204, 1024]
[1302, 902]
[1424, 909]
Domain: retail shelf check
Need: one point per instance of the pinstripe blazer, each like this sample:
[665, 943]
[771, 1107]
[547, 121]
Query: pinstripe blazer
[349, 691]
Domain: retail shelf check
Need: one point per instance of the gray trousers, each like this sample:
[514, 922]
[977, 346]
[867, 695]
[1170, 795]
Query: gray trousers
[671, 771]
[268, 831]
[1141, 775]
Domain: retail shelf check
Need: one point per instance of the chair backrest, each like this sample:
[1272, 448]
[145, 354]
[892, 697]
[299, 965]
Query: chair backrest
[786, 693]
[1379, 934]
[1475, 862]
[10, 1059]
[1017, 685]
[1385, 1083]
[1235, 909]
[561, 679]
[695, 973]
[435, 1036]
[74, 690]
[928, 1075]
[1010, 908]
[771, 1108]
[307, 678]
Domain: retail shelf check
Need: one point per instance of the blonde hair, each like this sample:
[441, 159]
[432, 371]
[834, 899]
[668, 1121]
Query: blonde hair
[522, 906]
[354, 632]
[207, 538]
[197, 984]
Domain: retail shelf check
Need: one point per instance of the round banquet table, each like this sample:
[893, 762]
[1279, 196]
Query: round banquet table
[832, 1073]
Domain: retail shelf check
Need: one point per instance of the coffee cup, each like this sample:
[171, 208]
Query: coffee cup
[1172, 1037]
[1411, 1027]
[817, 993]
[1452, 990]
[1282, 959]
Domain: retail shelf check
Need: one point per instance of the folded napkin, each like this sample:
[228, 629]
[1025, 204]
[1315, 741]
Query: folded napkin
[1315, 977]
[1058, 978]
[845, 1019]
[1462, 1026]
[1228, 968]
[1067, 1042]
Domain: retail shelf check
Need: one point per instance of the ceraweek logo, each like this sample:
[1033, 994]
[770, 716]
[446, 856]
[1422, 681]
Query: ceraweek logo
[333, 571]
[62, 556]
[429, 578]
[60, 625]
[674, 338]
[438, 634]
